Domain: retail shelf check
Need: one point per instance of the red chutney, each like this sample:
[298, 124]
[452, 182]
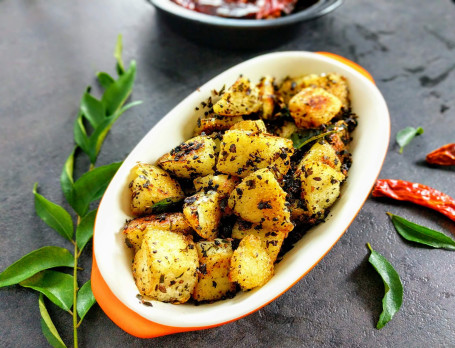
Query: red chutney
[246, 9]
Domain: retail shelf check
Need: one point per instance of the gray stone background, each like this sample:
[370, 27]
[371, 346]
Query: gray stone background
[50, 51]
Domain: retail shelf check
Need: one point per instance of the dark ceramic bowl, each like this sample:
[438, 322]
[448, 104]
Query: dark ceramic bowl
[238, 33]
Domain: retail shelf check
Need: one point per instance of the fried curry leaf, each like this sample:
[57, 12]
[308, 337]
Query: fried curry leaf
[56, 286]
[91, 186]
[53, 215]
[166, 205]
[405, 136]
[85, 299]
[421, 234]
[393, 297]
[306, 136]
[301, 139]
[47, 326]
[34, 262]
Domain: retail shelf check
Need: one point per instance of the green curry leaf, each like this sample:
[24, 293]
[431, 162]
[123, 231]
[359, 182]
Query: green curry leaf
[56, 286]
[53, 215]
[118, 56]
[34, 262]
[421, 234]
[393, 297]
[104, 79]
[405, 136]
[84, 231]
[117, 92]
[92, 109]
[97, 138]
[66, 177]
[85, 299]
[48, 328]
[80, 134]
[91, 186]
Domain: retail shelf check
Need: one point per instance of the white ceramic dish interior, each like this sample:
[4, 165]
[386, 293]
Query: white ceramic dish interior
[368, 151]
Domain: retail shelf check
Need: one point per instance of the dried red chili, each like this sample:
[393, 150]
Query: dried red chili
[444, 156]
[416, 193]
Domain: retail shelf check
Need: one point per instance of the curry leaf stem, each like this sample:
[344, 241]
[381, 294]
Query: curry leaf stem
[75, 288]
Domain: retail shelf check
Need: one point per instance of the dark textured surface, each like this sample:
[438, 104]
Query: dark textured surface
[49, 52]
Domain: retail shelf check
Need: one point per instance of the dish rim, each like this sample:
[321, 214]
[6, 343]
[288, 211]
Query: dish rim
[322, 7]
[289, 55]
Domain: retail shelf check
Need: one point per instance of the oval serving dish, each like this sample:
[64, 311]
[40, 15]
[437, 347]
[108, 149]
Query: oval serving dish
[112, 279]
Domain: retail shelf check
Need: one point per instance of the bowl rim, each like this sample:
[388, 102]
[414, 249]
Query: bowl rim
[316, 10]
[357, 201]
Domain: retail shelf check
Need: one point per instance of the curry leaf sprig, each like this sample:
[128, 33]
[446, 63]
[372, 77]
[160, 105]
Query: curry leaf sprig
[393, 297]
[36, 270]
